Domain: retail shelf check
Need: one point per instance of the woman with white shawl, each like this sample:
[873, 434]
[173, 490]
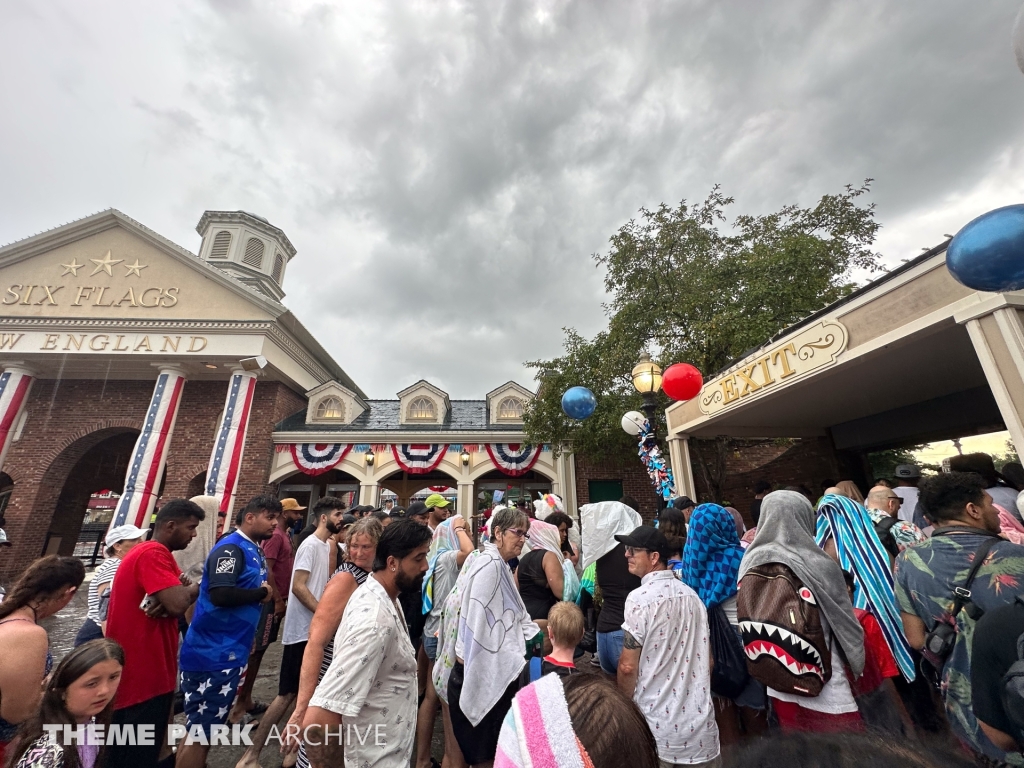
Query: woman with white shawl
[485, 629]
[544, 575]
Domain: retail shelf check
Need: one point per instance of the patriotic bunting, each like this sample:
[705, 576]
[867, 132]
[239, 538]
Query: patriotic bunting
[514, 459]
[418, 459]
[226, 457]
[150, 454]
[317, 458]
[14, 387]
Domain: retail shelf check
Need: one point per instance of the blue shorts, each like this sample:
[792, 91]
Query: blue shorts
[209, 696]
[430, 647]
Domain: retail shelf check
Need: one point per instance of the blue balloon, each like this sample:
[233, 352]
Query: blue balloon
[579, 403]
[988, 253]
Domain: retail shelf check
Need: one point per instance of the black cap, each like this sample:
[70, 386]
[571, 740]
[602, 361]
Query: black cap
[347, 519]
[683, 502]
[416, 508]
[646, 537]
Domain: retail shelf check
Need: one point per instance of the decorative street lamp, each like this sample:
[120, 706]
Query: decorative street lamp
[369, 457]
[647, 381]
[465, 458]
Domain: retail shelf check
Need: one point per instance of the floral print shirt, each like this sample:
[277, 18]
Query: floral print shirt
[905, 534]
[925, 576]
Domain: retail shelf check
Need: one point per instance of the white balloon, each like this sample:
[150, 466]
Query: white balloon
[633, 423]
[1018, 38]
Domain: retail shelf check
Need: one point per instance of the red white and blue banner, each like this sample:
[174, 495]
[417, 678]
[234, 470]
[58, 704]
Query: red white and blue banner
[317, 458]
[226, 457]
[513, 459]
[150, 454]
[418, 459]
[14, 389]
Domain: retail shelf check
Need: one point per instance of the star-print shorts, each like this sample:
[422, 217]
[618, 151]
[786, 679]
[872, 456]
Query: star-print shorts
[209, 696]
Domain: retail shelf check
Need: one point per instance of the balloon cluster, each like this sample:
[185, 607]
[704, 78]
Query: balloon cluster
[654, 462]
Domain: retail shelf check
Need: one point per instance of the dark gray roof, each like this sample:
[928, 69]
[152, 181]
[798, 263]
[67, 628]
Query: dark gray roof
[383, 415]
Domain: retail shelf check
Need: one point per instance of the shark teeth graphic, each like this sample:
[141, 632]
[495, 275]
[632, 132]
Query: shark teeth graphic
[791, 650]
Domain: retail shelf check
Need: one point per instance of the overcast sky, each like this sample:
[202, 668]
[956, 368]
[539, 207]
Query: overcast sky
[446, 170]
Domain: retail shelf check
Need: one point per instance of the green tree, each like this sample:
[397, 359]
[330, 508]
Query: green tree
[689, 286]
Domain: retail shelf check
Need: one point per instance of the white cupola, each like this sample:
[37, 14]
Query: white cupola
[247, 247]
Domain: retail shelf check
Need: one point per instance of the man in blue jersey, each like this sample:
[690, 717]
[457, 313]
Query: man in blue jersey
[216, 648]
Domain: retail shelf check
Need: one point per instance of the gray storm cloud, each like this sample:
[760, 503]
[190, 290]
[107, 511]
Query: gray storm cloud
[447, 169]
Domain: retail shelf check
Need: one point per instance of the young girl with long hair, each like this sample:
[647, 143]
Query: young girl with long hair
[79, 693]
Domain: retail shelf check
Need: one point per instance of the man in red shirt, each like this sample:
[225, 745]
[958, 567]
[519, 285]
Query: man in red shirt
[146, 599]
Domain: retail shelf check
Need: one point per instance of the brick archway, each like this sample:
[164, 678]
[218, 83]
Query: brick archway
[86, 458]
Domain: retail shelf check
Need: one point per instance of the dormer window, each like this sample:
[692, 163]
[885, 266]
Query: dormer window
[510, 409]
[422, 409]
[329, 408]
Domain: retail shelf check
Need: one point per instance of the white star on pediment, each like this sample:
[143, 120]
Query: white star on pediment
[134, 269]
[104, 264]
[73, 268]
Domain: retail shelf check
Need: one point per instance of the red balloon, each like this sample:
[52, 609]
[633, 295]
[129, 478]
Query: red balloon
[682, 381]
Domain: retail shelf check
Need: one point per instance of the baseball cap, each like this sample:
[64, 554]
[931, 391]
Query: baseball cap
[646, 537]
[348, 519]
[908, 471]
[416, 508]
[436, 500]
[287, 505]
[123, 533]
[683, 502]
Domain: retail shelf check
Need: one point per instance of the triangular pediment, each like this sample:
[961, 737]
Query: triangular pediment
[412, 398]
[500, 400]
[110, 266]
[321, 408]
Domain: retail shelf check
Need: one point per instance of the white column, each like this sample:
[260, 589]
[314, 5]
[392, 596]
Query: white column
[467, 504]
[682, 469]
[225, 465]
[368, 493]
[15, 386]
[149, 457]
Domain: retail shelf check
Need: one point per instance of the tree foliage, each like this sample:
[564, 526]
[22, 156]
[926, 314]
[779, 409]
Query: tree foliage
[688, 286]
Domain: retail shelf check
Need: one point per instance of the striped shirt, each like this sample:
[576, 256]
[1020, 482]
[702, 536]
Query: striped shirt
[104, 575]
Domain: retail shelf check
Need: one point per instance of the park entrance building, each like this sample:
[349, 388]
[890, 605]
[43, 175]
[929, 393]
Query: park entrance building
[910, 358]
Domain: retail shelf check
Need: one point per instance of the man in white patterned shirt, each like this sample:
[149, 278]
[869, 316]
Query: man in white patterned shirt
[371, 687]
[666, 656]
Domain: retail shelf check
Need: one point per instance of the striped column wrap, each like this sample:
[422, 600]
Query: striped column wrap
[150, 453]
[226, 457]
[14, 388]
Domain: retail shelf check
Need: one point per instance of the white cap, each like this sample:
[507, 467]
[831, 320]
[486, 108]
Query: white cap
[3, 537]
[123, 533]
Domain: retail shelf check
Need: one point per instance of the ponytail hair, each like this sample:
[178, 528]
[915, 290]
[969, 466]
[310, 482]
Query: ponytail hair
[44, 578]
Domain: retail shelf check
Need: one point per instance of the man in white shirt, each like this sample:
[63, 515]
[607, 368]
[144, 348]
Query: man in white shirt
[666, 661]
[310, 573]
[370, 690]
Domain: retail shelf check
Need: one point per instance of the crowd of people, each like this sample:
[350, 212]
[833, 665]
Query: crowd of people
[885, 626]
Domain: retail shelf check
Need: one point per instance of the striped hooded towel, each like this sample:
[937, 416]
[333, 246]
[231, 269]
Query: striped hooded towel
[537, 731]
[860, 552]
[444, 540]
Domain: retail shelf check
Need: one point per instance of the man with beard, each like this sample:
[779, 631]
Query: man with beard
[216, 649]
[309, 578]
[372, 686]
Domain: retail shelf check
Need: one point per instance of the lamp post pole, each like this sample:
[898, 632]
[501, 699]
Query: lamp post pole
[647, 381]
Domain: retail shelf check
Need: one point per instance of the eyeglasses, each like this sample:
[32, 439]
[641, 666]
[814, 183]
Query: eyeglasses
[517, 533]
[633, 550]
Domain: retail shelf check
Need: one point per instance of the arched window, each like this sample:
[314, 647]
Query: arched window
[422, 409]
[221, 244]
[253, 256]
[329, 408]
[278, 267]
[510, 408]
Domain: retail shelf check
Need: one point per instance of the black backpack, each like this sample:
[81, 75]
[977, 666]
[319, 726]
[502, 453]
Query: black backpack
[884, 530]
[1012, 691]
